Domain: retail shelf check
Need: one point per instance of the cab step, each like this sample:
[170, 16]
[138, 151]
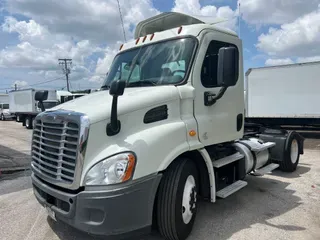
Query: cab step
[227, 160]
[234, 187]
[267, 169]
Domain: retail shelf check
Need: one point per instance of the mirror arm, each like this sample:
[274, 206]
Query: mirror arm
[42, 106]
[114, 126]
[214, 98]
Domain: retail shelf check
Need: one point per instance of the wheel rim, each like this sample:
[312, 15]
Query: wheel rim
[294, 151]
[189, 199]
[18, 118]
[27, 122]
[2, 117]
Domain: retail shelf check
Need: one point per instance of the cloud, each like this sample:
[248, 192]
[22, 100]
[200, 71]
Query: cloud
[308, 59]
[275, 62]
[95, 20]
[194, 8]
[299, 38]
[39, 49]
[260, 12]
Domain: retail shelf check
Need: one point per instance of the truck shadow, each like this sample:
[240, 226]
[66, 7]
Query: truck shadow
[298, 173]
[262, 200]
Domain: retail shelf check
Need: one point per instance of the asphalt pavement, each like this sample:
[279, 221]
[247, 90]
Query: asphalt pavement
[278, 206]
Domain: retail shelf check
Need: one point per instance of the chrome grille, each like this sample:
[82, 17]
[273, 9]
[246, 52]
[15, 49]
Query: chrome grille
[54, 149]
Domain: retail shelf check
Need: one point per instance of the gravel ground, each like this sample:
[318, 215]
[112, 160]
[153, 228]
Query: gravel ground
[278, 206]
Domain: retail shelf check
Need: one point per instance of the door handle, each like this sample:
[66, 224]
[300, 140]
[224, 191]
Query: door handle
[209, 98]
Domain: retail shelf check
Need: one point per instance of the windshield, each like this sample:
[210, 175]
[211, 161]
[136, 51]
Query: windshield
[5, 106]
[157, 64]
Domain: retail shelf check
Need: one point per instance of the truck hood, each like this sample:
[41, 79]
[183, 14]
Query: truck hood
[97, 106]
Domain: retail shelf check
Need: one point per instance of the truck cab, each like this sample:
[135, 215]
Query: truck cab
[4, 112]
[166, 129]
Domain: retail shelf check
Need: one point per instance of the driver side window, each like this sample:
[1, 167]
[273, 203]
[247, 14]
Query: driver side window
[209, 70]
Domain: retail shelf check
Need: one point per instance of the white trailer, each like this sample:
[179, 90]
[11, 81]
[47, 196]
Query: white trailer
[284, 95]
[166, 128]
[24, 106]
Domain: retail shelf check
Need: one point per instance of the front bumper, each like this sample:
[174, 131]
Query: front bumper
[106, 210]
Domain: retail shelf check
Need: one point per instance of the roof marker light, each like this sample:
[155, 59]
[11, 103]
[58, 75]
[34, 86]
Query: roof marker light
[120, 47]
[151, 37]
[145, 37]
[179, 30]
[138, 39]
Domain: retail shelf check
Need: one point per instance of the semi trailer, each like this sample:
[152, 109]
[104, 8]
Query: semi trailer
[284, 95]
[24, 106]
[166, 128]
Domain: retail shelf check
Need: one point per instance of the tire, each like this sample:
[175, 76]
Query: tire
[177, 200]
[18, 118]
[291, 153]
[2, 117]
[28, 122]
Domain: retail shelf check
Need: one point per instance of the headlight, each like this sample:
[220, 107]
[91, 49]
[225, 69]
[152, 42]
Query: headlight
[116, 169]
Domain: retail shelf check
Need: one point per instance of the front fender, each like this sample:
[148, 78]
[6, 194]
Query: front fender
[155, 146]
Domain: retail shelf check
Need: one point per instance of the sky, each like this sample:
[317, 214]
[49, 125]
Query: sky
[34, 34]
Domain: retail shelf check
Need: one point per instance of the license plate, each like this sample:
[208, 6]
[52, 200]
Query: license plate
[51, 213]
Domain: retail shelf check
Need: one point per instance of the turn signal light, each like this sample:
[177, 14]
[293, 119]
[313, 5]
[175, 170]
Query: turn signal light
[192, 133]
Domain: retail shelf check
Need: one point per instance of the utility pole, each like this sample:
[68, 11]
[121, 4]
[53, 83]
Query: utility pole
[66, 63]
[15, 87]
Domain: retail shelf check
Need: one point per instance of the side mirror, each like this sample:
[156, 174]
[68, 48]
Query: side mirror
[228, 66]
[117, 88]
[41, 96]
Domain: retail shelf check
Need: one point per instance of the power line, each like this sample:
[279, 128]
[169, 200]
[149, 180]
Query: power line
[124, 32]
[66, 63]
[35, 84]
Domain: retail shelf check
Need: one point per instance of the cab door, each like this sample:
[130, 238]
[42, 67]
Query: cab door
[223, 120]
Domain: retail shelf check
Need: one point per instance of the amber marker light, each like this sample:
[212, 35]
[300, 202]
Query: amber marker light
[130, 167]
[192, 133]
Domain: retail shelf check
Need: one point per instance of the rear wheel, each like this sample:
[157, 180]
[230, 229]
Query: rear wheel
[291, 154]
[177, 200]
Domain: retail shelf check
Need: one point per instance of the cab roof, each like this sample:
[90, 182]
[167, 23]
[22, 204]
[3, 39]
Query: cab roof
[170, 20]
[170, 25]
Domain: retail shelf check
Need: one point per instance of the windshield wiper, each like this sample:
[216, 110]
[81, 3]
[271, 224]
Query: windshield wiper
[105, 87]
[142, 82]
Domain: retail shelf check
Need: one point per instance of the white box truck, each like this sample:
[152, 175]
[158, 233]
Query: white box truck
[166, 128]
[24, 106]
[284, 95]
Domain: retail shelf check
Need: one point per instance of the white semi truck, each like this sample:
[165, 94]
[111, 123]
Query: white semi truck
[284, 95]
[166, 128]
[24, 106]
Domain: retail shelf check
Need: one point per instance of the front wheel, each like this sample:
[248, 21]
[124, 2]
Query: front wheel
[2, 117]
[177, 200]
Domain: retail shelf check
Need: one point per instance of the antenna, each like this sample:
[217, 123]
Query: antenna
[124, 32]
[239, 20]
